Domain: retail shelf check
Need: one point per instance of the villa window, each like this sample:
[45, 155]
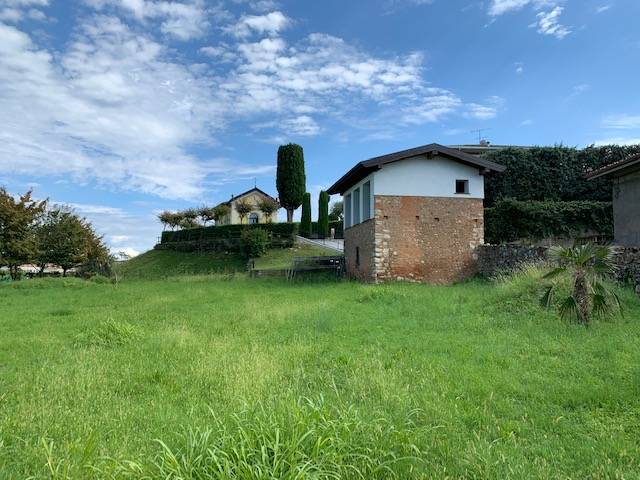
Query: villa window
[356, 206]
[366, 201]
[462, 187]
[347, 211]
[254, 219]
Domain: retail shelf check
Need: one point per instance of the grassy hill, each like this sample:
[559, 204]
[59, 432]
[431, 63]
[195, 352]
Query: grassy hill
[156, 264]
[254, 379]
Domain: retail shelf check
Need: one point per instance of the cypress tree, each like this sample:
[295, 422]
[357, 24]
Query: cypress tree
[290, 178]
[305, 220]
[323, 214]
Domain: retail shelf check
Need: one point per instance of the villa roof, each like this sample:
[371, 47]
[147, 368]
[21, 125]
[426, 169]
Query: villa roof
[364, 168]
[618, 168]
[244, 194]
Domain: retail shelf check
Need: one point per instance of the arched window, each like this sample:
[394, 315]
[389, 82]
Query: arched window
[254, 219]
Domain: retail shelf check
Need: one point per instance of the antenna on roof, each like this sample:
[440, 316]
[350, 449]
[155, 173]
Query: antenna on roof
[479, 131]
[255, 182]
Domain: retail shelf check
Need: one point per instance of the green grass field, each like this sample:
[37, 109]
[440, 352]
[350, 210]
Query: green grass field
[156, 264]
[224, 377]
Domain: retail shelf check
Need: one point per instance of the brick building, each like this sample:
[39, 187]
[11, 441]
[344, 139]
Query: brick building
[414, 215]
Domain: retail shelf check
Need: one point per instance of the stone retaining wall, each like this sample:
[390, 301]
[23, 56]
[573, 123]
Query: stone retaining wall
[495, 259]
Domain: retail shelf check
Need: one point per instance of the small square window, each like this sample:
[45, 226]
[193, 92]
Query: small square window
[462, 187]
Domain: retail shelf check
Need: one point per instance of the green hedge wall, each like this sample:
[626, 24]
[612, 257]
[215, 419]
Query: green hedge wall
[553, 173]
[512, 220]
[281, 231]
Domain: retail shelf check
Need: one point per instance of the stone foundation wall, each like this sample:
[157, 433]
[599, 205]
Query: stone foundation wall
[495, 259]
[426, 239]
[359, 251]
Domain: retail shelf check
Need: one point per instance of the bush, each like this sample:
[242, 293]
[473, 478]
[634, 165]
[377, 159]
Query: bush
[282, 231]
[305, 219]
[255, 242]
[512, 220]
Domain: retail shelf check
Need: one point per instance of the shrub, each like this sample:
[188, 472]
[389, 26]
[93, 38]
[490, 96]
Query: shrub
[512, 220]
[282, 231]
[255, 242]
[553, 173]
[323, 214]
[305, 219]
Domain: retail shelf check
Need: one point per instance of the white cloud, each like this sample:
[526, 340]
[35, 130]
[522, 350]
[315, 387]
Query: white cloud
[603, 8]
[622, 122]
[183, 20]
[519, 68]
[271, 24]
[619, 141]
[549, 23]
[485, 111]
[112, 109]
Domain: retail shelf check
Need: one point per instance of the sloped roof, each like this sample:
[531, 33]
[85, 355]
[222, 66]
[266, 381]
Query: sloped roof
[364, 168]
[244, 194]
[620, 167]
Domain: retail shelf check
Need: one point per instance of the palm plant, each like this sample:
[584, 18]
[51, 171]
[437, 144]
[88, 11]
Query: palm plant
[588, 265]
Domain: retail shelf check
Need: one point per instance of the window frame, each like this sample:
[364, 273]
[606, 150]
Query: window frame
[366, 201]
[465, 182]
[356, 207]
[347, 211]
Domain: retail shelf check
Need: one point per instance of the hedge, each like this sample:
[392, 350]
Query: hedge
[553, 173]
[281, 231]
[513, 220]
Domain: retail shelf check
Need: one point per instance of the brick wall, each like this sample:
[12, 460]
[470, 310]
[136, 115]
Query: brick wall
[420, 239]
[359, 241]
[427, 239]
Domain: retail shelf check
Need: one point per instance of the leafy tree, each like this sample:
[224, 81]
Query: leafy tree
[268, 207]
[175, 220]
[220, 212]
[62, 239]
[588, 265]
[290, 178]
[206, 214]
[187, 223]
[98, 259]
[323, 214]
[166, 219]
[244, 208]
[336, 212]
[305, 219]
[18, 222]
[190, 216]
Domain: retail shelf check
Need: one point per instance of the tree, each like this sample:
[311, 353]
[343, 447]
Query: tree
[62, 239]
[175, 220]
[336, 214]
[268, 207]
[290, 178]
[305, 219]
[323, 214]
[220, 212]
[244, 208]
[190, 217]
[98, 259]
[18, 222]
[206, 214]
[166, 219]
[588, 265]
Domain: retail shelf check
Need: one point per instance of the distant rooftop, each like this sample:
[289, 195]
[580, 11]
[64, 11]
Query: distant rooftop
[484, 147]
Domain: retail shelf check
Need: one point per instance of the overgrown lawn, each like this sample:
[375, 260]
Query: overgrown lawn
[225, 377]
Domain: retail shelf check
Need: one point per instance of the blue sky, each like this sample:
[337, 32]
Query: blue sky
[123, 108]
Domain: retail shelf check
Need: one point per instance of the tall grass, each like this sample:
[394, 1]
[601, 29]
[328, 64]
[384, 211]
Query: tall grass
[207, 377]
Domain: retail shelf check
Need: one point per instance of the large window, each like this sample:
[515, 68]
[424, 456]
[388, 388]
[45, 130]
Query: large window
[356, 206]
[347, 211]
[366, 201]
